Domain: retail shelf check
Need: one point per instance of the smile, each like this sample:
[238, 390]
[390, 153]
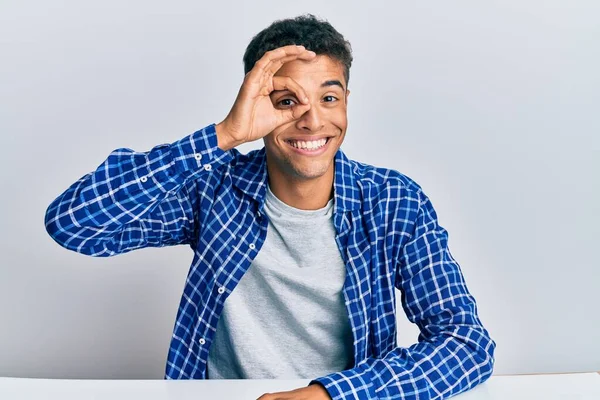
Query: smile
[314, 147]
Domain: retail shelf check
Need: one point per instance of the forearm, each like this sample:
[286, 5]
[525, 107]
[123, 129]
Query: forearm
[454, 352]
[224, 138]
[456, 360]
[126, 188]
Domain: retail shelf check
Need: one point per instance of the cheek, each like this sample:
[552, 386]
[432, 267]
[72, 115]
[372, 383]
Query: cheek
[339, 118]
[279, 131]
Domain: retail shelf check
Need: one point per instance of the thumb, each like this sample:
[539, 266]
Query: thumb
[292, 113]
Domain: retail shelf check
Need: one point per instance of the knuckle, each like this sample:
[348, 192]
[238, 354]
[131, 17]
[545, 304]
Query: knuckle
[262, 63]
[271, 53]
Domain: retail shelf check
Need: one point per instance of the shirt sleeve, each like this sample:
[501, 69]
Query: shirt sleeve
[454, 352]
[137, 199]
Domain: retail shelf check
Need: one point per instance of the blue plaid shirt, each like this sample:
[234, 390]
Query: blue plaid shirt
[192, 192]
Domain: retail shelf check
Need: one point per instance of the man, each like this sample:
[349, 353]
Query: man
[313, 243]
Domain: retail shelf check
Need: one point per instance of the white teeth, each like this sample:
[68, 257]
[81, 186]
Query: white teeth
[313, 145]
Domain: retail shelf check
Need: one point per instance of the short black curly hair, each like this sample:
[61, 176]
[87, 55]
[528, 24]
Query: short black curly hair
[305, 30]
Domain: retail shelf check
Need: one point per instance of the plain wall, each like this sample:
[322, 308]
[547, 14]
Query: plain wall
[491, 106]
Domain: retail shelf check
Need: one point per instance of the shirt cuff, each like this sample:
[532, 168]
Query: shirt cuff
[199, 152]
[355, 383]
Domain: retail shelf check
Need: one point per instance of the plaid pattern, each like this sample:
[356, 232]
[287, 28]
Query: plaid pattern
[192, 192]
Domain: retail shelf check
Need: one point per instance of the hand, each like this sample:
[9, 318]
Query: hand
[311, 392]
[253, 115]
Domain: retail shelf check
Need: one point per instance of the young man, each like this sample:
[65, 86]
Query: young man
[298, 250]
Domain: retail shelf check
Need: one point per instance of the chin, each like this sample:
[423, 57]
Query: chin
[313, 171]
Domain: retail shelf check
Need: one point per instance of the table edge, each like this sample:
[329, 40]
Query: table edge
[550, 373]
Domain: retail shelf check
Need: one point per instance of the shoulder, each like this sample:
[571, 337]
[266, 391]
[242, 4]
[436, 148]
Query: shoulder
[382, 181]
[390, 194]
[252, 160]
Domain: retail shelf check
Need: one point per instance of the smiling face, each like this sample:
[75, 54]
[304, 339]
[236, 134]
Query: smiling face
[296, 150]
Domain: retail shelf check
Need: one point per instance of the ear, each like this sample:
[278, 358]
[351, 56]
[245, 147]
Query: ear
[347, 94]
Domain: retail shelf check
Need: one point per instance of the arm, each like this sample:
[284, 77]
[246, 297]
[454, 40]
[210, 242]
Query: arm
[138, 199]
[454, 352]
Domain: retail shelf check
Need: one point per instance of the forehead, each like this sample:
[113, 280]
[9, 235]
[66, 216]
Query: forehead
[313, 72]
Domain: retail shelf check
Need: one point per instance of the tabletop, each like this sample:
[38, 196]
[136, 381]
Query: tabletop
[581, 386]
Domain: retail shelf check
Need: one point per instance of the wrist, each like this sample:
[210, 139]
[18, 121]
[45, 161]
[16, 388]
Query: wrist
[224, 139]
[323, 393]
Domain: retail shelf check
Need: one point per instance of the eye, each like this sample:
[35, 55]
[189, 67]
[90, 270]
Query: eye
[332, 99]
[286, 102]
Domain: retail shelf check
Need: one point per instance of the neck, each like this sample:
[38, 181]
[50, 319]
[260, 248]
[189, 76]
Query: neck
[304, 194]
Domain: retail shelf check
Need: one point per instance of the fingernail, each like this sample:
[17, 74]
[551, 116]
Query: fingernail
[306, 100]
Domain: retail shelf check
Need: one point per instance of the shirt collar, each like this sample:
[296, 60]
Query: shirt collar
[250, 176]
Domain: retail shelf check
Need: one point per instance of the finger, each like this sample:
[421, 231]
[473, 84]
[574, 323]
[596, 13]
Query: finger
[292, 113]
[276, 54]
[287, 83]
[277, 63]
[275, 396]
[274, 59]
[260, 76]
[269, 71]
[282, 52]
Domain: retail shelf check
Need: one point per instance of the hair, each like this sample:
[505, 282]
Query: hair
[305, 30]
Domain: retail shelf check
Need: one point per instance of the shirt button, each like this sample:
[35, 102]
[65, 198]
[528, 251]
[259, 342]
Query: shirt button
[207, 167]
[252, 246]
[221, 290]
[198, 156]
[258, 214]
[201, 341]
[143, 179]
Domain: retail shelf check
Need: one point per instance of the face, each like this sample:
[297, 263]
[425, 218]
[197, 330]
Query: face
[293, 149]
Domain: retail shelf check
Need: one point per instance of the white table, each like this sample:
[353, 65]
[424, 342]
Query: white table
[514, 387]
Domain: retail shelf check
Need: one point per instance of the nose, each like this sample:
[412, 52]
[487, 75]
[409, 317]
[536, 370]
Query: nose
[311, 121]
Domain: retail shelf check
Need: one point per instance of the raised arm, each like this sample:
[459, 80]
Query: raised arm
[153, 199]
[139, 199]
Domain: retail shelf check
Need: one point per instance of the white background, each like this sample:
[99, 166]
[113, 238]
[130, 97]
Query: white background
[491, 106]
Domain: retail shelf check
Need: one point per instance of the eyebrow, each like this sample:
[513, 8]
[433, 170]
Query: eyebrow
[333, 82]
